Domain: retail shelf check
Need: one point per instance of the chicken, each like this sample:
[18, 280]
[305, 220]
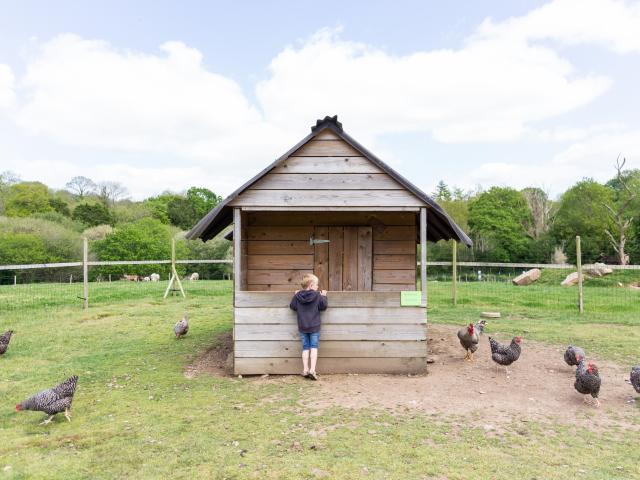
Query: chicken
[634, 378]
[5, 338]
[55, 400]
[182, 327]
[468, 337]
[571, 355]
[587, 379]
[505, 355]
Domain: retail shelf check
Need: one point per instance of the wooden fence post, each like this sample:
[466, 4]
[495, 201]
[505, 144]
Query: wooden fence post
[85, 271]
[579, 265]
[454, 279]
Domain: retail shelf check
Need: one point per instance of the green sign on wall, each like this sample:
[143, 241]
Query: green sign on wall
[411, 298]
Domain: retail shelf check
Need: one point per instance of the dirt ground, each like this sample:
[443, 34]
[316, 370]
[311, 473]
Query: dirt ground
[540, 387]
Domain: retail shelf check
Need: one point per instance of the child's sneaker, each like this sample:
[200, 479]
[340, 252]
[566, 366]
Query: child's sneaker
[313, 376]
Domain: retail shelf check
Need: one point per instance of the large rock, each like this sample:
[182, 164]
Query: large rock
[571, 279]
[527, 278]
[598, 270]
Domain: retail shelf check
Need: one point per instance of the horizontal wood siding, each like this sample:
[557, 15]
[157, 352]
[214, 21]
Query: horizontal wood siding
[293, 366]
[331, 349]
[360, 331]
[394, 258]
[337, 315]
[327, 198]
[344, 164]
[382, 219]
[326, 148]
[327, 181]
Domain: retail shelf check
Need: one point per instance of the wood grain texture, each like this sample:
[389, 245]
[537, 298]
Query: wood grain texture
[390, 232]
[394, 262]
[302, 233]
[365, 258]
[293, 366]
[276, 277]
[335, 257]
[326, 148]
[350, 259]
[277, 247]
[344, 164]
[272, 287]
[321, 257]
[336, 299]
[280, 262]
[326, 181]
[237, 252]
[399, 331]
[329, 218]
[386, 247]
[394, 276]
[327, 135]
[337, 315]
[393, 287]
[326, 198]
[331, 349]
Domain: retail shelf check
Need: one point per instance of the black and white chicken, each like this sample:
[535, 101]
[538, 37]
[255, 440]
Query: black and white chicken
[5, 338]
[588, 379]
[182, 327]
[571, 355]
[53, 401]
[505, 355]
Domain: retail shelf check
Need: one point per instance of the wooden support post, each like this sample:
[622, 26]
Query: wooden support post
[454, 278]
[423, 255]
[174, 273]
[237, 250]
[85, 271]
[579, 265]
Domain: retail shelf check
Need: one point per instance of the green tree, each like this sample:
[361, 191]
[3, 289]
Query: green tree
[442, 191]
[159, 205]
[92, 214]
[60, 206]
[181, 213]
[26, 198]
[582, 211]
[203, 200]
[499, 220]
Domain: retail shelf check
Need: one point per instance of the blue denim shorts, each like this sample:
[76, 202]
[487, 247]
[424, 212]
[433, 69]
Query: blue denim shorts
[309, 340]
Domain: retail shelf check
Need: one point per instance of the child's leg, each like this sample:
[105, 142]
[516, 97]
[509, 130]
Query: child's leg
[314, 359]
[313, 344]
[304, 337]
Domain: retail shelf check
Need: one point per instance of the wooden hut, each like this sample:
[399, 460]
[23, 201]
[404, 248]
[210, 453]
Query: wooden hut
[329, 206]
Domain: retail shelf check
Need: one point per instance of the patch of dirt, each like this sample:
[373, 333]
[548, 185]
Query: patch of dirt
[216, 361]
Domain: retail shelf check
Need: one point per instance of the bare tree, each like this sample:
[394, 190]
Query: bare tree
[541, 211]
[81, 186]
[111, 192]
[618, 212]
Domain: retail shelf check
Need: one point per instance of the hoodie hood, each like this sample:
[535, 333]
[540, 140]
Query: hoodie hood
[307, 296]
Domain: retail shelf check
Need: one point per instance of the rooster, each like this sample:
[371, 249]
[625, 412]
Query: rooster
[634, 378]
[505, 355]
[55, 400]
[182, 327]
[572, 354]
[5, 338]
[468, 337]
[587, 379]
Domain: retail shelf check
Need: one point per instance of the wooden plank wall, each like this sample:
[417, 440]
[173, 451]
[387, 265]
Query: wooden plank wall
[278, 252]
[362, 332]
[327, 172]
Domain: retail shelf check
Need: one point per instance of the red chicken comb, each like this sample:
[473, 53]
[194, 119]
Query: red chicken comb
[18, 407]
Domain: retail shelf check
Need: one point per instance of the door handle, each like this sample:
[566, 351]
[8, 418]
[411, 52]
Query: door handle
[313, 241]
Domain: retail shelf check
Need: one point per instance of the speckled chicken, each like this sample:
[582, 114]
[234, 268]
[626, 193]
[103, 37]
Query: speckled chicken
[469, 338]
[5, 338]
[505, 354]
[182, 327]
[587, 379]
[571, 355]
[634, 378]
[55, 400]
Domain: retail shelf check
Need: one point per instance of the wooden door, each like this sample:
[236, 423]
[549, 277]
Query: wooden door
[345, 262]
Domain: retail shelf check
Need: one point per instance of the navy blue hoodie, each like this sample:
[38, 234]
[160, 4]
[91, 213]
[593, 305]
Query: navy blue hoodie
[308, 304]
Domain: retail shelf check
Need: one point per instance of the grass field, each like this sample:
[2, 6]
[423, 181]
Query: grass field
[136, 415]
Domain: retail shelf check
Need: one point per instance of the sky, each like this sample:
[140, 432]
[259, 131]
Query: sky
[163, 95]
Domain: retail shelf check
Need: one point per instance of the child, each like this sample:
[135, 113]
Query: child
[308, 303]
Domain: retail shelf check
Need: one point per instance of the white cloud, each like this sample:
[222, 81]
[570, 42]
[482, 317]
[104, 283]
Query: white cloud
[7, 85]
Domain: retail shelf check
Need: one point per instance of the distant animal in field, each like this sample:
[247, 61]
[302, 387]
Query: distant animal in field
[194, 276]
[587, 379]
[146, 279]
[5, 338]
[154, 277]
[182, 327]
[505, 354]
[634, 378]
[469, 338]
[131, 278]
[571, 355]
[53, 401]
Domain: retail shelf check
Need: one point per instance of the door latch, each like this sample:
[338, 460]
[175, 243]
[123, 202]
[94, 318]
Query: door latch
[314, 241]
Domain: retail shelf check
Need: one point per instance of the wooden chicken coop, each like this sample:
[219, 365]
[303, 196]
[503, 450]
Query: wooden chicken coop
[330, 207]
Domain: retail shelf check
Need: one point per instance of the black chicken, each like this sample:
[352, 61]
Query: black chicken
[55, 400]
[5, 338]
[503, 354]
[587, 379]
[571, 355]
[634, 378]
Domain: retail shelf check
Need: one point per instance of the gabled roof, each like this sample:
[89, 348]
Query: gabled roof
[440, 225]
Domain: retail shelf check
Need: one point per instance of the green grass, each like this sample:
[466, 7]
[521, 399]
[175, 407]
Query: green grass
[136, 415]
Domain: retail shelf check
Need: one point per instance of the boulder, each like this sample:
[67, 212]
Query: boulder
[571, 279]
[598, 270]
[527, 278]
